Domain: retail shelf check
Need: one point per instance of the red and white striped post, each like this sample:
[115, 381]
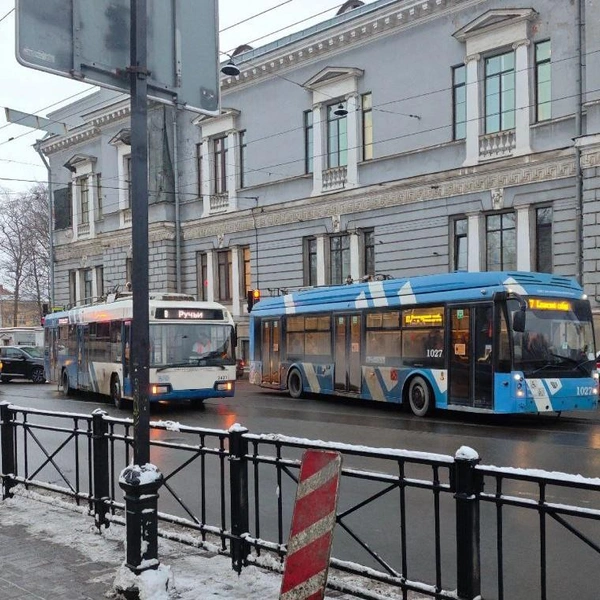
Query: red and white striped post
[311, 533]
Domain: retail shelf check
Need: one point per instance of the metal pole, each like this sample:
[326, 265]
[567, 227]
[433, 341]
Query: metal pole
[139, 234]
[50, 224]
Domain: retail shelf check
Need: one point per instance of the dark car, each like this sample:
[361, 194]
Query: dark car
[22, 362]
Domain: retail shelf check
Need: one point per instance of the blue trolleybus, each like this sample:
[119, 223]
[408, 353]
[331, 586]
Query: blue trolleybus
[192, 349]
[493, 342]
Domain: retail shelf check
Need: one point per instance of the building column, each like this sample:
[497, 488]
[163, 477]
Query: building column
[231, 166]
[207, 169]
[321, 260]
[472, 127]
[522, 108]
[92, 197]
[210, 275]
[353, 124]
[318, 155]
[473, 245]
[235, 280]
[523, 239]
[75, 200]
[354, 256]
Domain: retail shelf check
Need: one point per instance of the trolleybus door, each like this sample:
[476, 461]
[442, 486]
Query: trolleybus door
[83, 355]
[270, 348]
[471, 356]
[347, 366]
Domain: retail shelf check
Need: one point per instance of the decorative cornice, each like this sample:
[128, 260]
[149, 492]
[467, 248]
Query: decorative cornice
[390, 19]
[459, 182]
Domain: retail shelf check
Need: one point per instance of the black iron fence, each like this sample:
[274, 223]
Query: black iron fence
[439, 526]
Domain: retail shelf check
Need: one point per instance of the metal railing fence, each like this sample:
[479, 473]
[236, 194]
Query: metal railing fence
[440, 526]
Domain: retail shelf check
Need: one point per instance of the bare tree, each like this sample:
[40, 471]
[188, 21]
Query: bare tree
[25, 245]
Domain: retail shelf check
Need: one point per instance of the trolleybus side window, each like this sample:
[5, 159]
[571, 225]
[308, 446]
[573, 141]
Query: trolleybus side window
[382, 338]
[295, 337]
[317, 342]
[423, 336]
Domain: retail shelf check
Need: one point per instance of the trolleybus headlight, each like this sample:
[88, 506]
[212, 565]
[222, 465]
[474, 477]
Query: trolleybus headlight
[518, 377]
[596, 374]
[224, 386]
[159, 389]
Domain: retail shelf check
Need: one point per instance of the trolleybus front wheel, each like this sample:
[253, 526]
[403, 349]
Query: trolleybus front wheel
[295, 383]
[420, 397]
[115, 392]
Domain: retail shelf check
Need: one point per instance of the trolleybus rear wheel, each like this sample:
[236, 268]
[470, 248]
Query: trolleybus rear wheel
[295, 383]
[115, 392]
[66, 388]
[420, 397]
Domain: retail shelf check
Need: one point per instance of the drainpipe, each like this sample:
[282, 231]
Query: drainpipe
[50, 224]
[578, 134]
[177, 212]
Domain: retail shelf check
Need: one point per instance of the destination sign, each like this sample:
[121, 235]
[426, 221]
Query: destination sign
[548, 304]
[190, 314]
[420, 317]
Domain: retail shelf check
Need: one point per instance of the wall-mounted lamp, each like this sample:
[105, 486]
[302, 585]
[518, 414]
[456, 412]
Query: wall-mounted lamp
[341, 110]
[230, 69]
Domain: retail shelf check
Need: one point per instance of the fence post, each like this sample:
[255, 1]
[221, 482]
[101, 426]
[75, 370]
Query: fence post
[468, 484]
[238, 485]
[8, 449]
[100, 467]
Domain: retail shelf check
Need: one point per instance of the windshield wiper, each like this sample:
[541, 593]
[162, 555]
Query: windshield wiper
[190, 363]
[573, 361]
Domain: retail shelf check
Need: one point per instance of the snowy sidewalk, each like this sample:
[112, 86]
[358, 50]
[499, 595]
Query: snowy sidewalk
[49, 551]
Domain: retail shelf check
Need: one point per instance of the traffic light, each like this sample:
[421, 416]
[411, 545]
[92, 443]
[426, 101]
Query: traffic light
[253, 297]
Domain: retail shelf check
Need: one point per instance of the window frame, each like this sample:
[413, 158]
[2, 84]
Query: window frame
[541, 255]
[127, 179]
[366, 105]
[224, 271]
[99, 196]
[246, 278]
[503, 232]
[83, 189]
[455, 89]
[220, 164]
[538, 64]
[368, 249]
[486, 79]
[337, 157]
[457, 237]
[242, 156]
[337, 275]
[310, 261]
[199, 147]
[309, 148]
[202, 275]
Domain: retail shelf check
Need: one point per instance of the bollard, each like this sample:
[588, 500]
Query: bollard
[9, 464]
[140, 484]
[468, 484]
[100, 468]
[238, 484]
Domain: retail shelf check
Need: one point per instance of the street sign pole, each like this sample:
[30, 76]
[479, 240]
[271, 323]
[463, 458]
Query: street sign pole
[139, 233]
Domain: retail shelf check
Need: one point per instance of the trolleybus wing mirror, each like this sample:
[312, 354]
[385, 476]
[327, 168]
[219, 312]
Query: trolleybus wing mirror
[519, 321]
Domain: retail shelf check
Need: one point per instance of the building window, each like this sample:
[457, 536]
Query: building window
[369, 252]
[501, 242]
[88, 293]
[339, 258]
[337, 137]
[459, 102]
[72, 288]
[84, 200]
[224, 274]
[543, 99]
[460, 245]
[308, 141]
[99, 195]
[100, 282]
[310, 276]
[247, 272]
[202, 275]
[367, 126]
[127, 174]
[220, 164]
[500, 92]
[543, 239]
[242, 158]
[199, 168]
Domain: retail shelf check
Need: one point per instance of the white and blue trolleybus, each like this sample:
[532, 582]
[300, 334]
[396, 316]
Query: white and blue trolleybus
[493, 342]
[192, 349]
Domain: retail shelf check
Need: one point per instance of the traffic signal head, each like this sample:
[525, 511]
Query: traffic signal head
[253, 297]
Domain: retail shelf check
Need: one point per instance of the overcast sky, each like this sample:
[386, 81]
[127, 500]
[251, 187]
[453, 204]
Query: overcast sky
[35, 92]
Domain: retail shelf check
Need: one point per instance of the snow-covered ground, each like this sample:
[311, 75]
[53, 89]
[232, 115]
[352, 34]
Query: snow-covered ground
[196, 573]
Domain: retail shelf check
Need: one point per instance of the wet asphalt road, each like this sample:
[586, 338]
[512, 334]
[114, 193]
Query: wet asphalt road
[569, 443]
